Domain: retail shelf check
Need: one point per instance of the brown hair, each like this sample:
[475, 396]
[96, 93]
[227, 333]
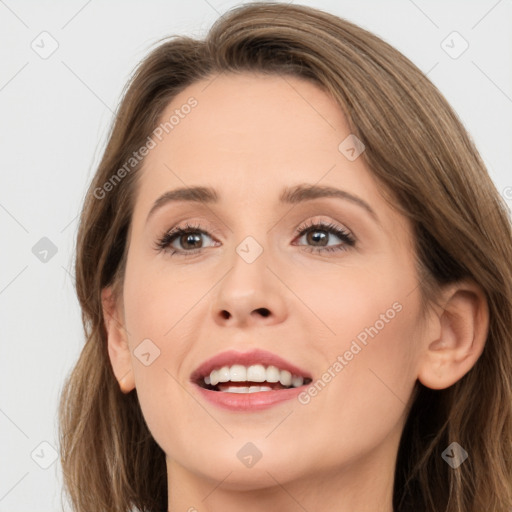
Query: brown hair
[418, 149]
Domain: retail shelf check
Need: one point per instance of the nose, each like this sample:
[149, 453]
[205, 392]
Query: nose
[249, 295]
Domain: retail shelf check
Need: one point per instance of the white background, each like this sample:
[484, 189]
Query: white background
[55, 113]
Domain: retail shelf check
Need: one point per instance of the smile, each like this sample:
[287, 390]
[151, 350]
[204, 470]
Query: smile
[248, 381]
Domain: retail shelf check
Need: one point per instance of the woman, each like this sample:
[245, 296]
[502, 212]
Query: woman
[337, 334]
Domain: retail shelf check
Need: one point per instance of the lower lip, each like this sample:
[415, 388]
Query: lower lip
[248, 401]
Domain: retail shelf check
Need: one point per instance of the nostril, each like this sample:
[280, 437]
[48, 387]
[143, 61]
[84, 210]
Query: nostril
[225, 314]
[264, 311]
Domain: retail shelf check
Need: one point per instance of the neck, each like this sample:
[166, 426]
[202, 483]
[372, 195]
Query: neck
[369, 487]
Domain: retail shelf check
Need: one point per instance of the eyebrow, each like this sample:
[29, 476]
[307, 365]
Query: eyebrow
[290, 195]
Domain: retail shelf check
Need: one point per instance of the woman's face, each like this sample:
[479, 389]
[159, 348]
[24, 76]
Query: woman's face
[339, 303]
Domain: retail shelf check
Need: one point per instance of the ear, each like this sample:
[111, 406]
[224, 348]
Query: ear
[118, 349]
[458, 332]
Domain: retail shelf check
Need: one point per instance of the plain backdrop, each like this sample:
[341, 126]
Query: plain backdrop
[63, 66]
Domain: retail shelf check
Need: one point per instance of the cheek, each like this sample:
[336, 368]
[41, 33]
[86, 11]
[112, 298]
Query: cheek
[375, 318]
[360, 398]
[155, 300]
[369, 350]
[156, 317]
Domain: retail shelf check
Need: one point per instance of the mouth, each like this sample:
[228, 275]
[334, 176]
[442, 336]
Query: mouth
[255, 378]
[249, 381]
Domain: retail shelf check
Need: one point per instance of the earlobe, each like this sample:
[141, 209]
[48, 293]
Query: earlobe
[117, 340]
[461, 329]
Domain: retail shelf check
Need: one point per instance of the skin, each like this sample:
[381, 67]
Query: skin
[249, 137]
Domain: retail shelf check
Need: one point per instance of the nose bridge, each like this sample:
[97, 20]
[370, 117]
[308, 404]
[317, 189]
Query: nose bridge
[249, 291]
[248, 277]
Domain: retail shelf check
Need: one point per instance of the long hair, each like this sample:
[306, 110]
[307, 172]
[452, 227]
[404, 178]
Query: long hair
[417, 149]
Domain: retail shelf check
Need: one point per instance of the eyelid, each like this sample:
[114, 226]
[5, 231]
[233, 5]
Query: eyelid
[319, 220]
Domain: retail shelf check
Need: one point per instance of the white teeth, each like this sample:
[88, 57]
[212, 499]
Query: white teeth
[272, 374]
[235, 389]
[245, 389]
[214, 377]
[224, 374]
[238, 373]
[221, 375]
[253, 373]
[285, 378]
[297, 381]
[256, 373]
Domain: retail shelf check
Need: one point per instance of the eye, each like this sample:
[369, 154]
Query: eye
[318, 234]
[187, 237]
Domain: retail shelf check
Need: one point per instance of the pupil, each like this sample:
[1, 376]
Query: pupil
[191, 238]
[318, 236]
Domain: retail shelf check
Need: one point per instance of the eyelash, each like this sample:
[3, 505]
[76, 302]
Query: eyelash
[168, 238]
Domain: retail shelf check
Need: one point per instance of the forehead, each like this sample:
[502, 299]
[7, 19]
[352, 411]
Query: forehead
[251, 135]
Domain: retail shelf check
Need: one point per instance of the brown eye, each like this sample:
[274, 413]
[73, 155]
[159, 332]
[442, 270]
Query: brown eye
[183, 240]
[317, 237]
[190, 238]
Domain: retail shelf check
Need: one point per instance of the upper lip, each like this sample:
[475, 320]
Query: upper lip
[257, 356]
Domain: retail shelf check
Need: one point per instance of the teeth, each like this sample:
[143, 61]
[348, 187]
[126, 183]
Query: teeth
[235, 389]
[214, 377]
[238, 373]
[285, 378]
[297, 381]
[250, 389]
[224, 374]
[272, 374]
[221, 375]
[254, 373]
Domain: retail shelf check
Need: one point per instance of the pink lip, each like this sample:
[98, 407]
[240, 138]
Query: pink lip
[256, 356]
[248, 401]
